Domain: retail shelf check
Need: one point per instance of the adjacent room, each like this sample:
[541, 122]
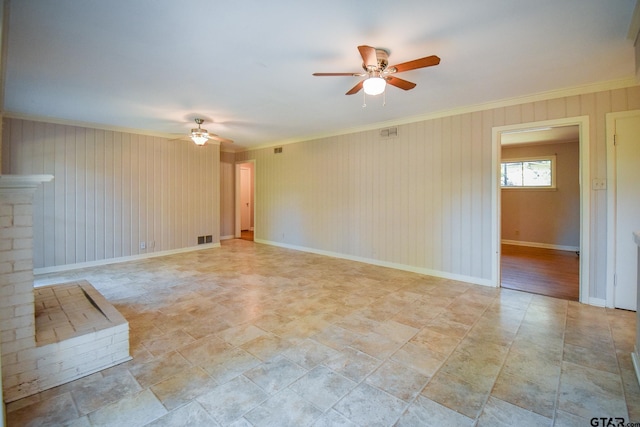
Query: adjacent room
[286, 214]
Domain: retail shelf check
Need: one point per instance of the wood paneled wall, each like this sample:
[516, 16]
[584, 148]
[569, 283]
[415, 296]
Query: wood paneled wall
[421, 200]
[113, 190]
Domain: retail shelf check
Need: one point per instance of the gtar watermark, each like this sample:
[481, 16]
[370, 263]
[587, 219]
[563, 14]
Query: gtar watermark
[612, 422]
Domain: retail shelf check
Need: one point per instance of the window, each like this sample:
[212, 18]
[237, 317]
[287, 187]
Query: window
[533, 172]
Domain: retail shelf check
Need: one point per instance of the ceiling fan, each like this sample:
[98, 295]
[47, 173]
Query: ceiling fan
[201, 136]
[378, 72]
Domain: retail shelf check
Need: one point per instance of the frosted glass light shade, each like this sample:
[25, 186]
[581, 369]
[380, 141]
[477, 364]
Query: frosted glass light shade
[199, 139]
[374, 85]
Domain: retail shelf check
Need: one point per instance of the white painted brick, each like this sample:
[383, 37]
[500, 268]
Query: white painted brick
[6, 209]
[24, 310]
[17, 299]
[19, 368]
[17, 322]
[23, 220]
[16, 255]
[16, 346]
[6, 267]
[18, 279]
[23, 265]
[78, 341]
[16, 233]
[7, 290]
[9, 335]
[6, 244]
[23, 209]
[21, 244]
[6, 221]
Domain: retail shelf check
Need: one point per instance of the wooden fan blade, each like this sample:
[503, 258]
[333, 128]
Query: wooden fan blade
[369, 56]
[427, 61]
[337, 74]
[402, 84]
[219, 138]
[356, 88]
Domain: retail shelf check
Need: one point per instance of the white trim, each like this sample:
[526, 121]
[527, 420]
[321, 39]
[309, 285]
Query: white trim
[598, 302]
[611, 201]
[238, 201]
[70, 267]
[585, 197]
[540, 245]
[541, 96]
[229, 237]
[635, 358]
[403, 267]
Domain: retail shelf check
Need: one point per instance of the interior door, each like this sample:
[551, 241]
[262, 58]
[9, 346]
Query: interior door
[245, 198]
[626, 209]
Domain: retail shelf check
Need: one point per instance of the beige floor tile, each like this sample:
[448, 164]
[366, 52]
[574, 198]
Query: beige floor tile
[133, 411]
[353, 364]
[96, 394]
[427, 413]
[498, 413]
[183, 387]
[322, 387]
[159, 368]
[230, 401]
[285, 409]
[398, 380]
[275, 374]
[367, 405]
[57, 410]
[191, 415]
[345, 339]
[457, 394]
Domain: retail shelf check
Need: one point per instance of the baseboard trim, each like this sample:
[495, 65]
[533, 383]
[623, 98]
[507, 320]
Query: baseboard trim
[598, 302]
[77, 266]
[541, 245]
[404, 267]
[635, 358]
[229, 237]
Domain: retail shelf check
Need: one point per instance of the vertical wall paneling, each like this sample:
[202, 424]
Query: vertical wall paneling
[112, 190]
[422, 200]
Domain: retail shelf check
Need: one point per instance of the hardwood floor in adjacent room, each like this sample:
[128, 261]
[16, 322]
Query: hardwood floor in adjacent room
[541, 271]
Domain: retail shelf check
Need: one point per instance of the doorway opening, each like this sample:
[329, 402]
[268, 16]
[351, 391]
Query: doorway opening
[245, 200]
[542, 208]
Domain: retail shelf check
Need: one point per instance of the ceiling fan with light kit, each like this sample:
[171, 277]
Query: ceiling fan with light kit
[200, 136]
[378, 73]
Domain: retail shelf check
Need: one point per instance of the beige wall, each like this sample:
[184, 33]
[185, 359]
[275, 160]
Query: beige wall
[543, 216]
[113, 190]
[420, 201]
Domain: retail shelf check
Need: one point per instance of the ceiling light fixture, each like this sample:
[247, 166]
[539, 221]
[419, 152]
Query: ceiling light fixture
[199, 136]
[374, 85]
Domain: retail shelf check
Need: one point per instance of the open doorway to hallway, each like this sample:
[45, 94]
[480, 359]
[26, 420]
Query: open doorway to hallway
[245, 200]
[540, 211]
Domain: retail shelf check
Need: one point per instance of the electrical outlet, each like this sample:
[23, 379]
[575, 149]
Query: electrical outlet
[143, 245]
[599, 184]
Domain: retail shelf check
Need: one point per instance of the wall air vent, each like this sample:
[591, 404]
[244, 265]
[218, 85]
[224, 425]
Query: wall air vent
[389, 132]
[277, 150]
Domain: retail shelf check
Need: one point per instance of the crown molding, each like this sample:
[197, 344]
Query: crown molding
[507, 102]
[541, 96]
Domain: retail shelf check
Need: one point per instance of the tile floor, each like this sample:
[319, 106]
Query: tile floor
[253, 335]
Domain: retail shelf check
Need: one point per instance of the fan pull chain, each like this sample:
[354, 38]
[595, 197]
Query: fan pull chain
[384, 98]
[364, 99]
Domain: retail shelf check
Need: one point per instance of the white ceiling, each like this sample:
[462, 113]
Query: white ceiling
[246, 65]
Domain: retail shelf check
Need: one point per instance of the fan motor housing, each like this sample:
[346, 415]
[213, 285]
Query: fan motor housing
[383, 59]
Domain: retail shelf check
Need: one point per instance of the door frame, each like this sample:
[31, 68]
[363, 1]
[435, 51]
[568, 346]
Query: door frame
[611, 201]
[585, 197]
[238, 202]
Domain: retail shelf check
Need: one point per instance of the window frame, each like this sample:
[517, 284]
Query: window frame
[552, 187]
